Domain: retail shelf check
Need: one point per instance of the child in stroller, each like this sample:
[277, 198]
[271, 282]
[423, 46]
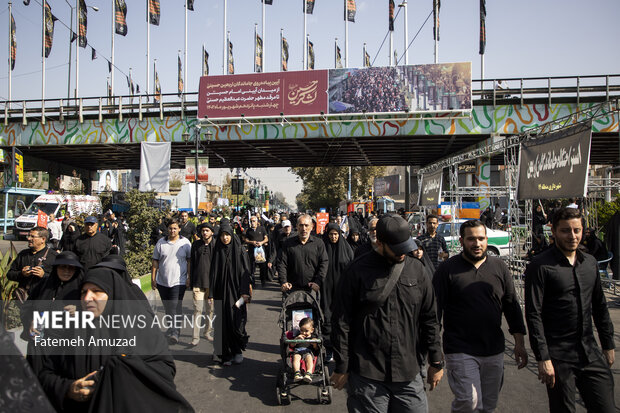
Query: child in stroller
[301, 347]
[304, 351]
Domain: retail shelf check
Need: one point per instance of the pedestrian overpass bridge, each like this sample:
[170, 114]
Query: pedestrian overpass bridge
[105, 133]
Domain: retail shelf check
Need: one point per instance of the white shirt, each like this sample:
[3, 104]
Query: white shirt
[172, 259]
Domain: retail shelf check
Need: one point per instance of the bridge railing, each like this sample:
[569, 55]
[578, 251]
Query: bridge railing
[487, 92]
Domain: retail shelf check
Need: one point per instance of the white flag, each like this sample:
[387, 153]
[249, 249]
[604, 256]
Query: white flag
[155, 166]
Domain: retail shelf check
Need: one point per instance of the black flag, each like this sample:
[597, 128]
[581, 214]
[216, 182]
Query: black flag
[483, 30]
[309, 6]
[231, 60]
[82, 24]
[154, 12]
[93, 54]
[310, 55]
[13, 42]
[391, 16]
[190, 5]
[436, 8]
[120, 13]
[350, 10]
[205, 70]
[50, 19]
[267, 1]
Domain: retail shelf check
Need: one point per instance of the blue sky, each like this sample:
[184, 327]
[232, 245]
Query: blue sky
[526, 38]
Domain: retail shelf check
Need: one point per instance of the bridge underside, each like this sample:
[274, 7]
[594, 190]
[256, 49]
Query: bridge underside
[352, 151]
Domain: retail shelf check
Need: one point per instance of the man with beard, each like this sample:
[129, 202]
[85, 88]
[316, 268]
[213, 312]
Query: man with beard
[33, 264]
[563, 294]
[188, 229]
[372, 238]
[383, 313]
[91, 246]
[434, 244]
[303, 259]
[473, 290]
[198, 279]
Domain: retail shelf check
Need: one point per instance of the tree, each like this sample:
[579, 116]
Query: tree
[325, 187]
[141, 218]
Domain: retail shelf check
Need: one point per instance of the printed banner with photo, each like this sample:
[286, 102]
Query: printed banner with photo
[108, 181]
[430, 191]
[411, 88]
[387, 185]
[557, 165]
[263, 94]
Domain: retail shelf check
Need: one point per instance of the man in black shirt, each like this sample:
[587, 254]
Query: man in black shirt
[91, 246]
[473, 290]
[434, 244]
[302, 261]
[188, 229]
[35, 263]
[198, 278]
[255, 237]
[384, 315]
[563, 294]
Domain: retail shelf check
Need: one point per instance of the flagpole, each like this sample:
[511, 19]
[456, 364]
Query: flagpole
[346, 36]
[263, 55]
[225, 37]
[112, 46]
[43, 61]
[154, 77]
[436, 14]
[305, 57]
[10, 45]
[364, 56]
[77, 52]
[404, 4]
[281, 49]
[148, 46]
[391, 48]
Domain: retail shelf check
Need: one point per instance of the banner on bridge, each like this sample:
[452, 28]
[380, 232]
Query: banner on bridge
[557, 165]
[412, 88]
[387, 185]
[430, 190]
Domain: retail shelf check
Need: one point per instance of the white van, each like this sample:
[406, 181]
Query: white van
[57, 205]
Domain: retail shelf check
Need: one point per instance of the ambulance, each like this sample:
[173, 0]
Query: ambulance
[55, 204]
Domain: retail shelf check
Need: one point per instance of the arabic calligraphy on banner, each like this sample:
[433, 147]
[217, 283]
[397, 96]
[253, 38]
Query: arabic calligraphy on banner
[557, 165]
[264, 94]
[430, 190]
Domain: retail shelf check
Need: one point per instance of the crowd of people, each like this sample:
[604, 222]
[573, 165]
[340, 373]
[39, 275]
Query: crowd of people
[386, 300]
[374, 90]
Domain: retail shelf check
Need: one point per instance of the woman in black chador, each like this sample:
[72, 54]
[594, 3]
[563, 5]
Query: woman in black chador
[115, 374]
[339, 255]
[230, 290]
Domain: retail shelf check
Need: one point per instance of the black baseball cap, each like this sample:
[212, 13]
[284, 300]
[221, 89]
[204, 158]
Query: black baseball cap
[394, 231]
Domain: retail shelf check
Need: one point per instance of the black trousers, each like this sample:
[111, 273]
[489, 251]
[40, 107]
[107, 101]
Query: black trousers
[262, 268]
[594, 381]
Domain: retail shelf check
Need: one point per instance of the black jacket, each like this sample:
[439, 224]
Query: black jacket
[26, 258]
[381, 341]
[91, 250]
[201, 257]
[560, 302]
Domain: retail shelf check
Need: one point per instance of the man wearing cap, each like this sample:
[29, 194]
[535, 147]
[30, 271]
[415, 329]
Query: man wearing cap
[473, 290]
[302, 262]
[198, 279]
[91, 246]
[384, 315]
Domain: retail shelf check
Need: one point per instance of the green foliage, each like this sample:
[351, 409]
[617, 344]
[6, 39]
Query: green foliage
[141, 218]
[7, 286]
[325, 187]
[606, 210]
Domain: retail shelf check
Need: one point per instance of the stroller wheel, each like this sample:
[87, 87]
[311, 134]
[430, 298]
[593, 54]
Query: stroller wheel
[329, 394]
[319, 394]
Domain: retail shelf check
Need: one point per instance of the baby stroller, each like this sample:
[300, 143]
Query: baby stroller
[296, 305]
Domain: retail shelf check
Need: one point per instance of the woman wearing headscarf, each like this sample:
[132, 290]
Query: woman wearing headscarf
[339, 255]
[124, 376]
[230, 288]
[355, 235]
[58, 292]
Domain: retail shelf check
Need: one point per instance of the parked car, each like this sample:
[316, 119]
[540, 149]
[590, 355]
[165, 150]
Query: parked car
[498, 244]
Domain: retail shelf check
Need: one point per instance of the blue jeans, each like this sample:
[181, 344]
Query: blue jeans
[172, 298]
[372, 396]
